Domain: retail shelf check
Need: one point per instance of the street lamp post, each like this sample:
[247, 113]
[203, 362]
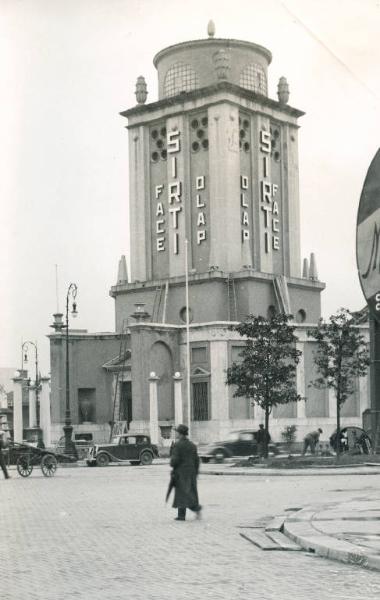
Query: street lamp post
[188, 386]
[68, 428]
[37, 386]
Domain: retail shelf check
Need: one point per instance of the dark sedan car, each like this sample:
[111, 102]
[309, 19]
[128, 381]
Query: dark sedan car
[137, 449]
[238, 443]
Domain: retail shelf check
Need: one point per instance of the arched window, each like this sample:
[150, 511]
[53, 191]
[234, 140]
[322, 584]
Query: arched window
[180, 78]
[253, 78]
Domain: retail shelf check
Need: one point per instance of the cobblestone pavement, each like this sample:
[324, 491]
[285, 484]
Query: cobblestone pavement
[107, 534]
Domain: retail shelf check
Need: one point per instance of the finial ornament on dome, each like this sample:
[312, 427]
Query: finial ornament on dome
[211, 29]
[141, 90]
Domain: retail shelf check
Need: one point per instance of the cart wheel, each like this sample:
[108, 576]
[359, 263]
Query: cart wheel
[23, 466]
[48, 465]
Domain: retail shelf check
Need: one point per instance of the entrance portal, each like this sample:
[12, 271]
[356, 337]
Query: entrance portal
[126, 402]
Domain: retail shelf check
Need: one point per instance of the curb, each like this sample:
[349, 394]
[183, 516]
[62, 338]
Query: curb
[300, 530]
[290, 473]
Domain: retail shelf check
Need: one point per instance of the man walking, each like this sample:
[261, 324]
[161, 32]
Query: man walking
[2, 460]
[185, 463]
[311, 440]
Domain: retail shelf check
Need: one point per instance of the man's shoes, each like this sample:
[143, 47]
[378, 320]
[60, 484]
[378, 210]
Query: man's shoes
[198, 513]
[180, 519]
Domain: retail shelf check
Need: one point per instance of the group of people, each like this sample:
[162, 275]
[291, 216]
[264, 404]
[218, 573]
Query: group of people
[184, 461]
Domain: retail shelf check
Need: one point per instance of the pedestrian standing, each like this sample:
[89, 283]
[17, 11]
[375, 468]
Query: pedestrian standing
[3, 445]
[311, 440]
[263, 438]
[185, 463]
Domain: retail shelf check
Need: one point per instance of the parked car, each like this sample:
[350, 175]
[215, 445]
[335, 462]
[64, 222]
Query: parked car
[238, 443]
[137, 449]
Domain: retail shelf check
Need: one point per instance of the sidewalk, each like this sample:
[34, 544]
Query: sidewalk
[348, 531]
[228, 468]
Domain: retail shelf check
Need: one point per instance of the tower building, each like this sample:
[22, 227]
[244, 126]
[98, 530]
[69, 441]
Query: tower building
[214, 237]
[215, 161]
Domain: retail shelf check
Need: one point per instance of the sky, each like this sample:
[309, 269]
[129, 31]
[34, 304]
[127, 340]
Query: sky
[69, 67]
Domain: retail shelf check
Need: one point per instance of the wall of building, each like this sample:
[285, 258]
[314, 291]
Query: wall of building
[251, 292]
[153, 351]
[87, 355]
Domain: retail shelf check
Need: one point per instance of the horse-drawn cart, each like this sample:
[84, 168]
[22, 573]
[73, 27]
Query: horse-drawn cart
[29, 456]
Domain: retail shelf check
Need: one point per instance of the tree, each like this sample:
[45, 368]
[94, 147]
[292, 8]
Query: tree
[341, 356]
[267, 371]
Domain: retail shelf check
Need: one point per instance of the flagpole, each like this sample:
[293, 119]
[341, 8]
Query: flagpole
[187, 338]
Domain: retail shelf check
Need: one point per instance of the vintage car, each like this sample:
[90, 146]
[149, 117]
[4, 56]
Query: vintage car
[238, 443]
[137, 449]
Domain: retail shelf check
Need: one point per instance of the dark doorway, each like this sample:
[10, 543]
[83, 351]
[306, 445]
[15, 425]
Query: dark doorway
[126, 402]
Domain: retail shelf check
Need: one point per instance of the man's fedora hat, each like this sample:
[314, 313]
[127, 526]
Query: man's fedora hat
[182, 429]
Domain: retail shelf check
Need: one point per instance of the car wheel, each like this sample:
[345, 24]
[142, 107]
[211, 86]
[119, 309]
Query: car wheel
[102, 460]
[205, 459]
[220, 454]
[146, 458]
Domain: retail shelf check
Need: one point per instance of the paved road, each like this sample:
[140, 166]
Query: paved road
[107, 534]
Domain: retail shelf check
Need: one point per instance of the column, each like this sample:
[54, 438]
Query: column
[153, 408]
[138, 191]
[178, 404]
[364, 395]
[3, 399]
[32, 407]
[224, 199]
[219, 390]
[17, 409]
[45, 417]
[300, 380]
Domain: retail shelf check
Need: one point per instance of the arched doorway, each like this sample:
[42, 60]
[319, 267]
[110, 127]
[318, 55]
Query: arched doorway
[161, 362]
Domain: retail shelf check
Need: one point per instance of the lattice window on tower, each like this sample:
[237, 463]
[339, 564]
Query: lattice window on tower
[253, 78]
[180, 78]
[244, 132]
[158, 142]
[199, 132]
[201, 408]
[275, 133]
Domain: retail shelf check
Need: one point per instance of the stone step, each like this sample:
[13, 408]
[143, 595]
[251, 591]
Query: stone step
[283, 541]
[259, 539]
[275, 524]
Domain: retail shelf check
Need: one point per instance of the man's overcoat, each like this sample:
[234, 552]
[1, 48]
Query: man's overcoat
[185, 463]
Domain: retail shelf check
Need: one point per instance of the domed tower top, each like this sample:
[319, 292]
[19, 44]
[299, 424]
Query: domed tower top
[197, 64]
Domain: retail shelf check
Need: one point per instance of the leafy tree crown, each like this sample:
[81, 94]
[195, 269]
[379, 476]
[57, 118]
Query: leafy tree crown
[341, 355]
[267, 370]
